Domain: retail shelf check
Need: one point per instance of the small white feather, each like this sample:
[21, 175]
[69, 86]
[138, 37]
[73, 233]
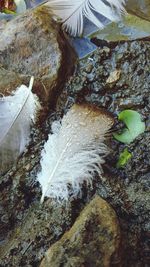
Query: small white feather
[17, 112]
[72, 13]
[74, 152]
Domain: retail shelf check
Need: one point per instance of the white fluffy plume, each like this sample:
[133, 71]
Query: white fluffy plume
[74, 152]
[17, 112]
[72, 13]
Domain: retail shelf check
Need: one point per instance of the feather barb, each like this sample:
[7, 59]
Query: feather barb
[72, 13]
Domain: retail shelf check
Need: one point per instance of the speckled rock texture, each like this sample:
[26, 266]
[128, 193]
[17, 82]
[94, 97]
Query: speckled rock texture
[28, 229]
[93, 240]
[33, 45]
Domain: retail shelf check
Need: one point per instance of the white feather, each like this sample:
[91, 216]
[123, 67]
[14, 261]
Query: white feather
[72, 13]
[74, 152]
[17, 112]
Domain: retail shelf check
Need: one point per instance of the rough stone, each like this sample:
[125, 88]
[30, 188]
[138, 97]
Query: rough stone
[93, 240]
[32, 44]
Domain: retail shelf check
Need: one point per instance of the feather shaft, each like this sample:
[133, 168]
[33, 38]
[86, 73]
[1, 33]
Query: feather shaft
[53, 173]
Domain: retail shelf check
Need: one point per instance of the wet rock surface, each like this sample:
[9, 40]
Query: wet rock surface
[93, 240]
[29, 229]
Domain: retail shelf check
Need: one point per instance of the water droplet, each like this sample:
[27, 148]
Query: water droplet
[82, 123]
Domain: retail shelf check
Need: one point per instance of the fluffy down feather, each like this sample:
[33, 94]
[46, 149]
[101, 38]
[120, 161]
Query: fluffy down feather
[74, 152]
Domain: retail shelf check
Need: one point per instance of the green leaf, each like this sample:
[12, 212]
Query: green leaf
[135, 126]
[123, 158]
